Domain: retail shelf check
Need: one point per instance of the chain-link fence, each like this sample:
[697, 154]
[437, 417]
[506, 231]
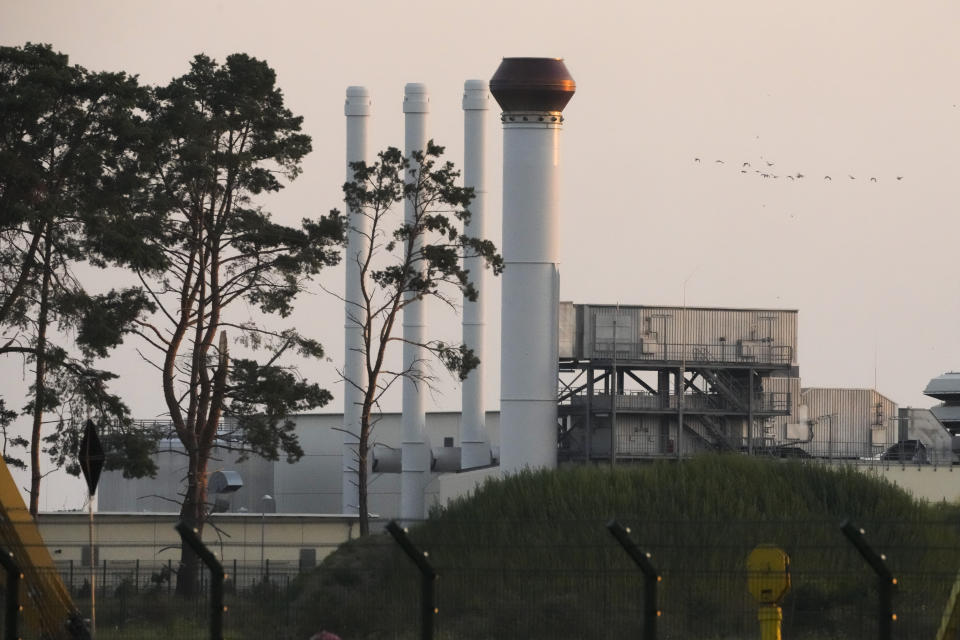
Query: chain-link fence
[550, 579]
[497, 579]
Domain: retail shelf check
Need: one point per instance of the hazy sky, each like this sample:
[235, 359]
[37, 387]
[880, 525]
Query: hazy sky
[869, 90]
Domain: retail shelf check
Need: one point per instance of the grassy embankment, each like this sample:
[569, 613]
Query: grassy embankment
[530, 556]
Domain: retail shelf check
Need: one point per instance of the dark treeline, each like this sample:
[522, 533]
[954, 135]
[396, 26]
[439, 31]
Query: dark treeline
[166, 184]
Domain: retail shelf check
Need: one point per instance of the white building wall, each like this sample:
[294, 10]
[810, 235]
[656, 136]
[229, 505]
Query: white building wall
[161, 494]
[311, 485]
[448, 486]
[150, 538]
[922, 425]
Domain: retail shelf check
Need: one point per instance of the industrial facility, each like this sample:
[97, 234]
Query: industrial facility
[946, 389]
[632, 374]
[579, 383]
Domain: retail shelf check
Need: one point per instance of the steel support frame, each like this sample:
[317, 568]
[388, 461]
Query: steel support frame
[612, 375]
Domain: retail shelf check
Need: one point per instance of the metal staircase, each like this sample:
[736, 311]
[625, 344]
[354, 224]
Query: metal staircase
[728, 386]
[720, 440]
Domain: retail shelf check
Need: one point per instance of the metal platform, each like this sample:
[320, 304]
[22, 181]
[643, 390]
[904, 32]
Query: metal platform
[630, 375]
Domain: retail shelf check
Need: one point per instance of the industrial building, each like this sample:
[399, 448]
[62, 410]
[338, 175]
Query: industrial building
[742, 393]
[310, 486]
[946, 389]
[579, 383]
[848, 424]
[936, 428]
[722, 374]
[631, 374]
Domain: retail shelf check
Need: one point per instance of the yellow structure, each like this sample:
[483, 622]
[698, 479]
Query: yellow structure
[950, 622]
[768, 580]
[44, 599]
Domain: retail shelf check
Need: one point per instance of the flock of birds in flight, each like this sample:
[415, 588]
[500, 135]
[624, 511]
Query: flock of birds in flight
[766, 170]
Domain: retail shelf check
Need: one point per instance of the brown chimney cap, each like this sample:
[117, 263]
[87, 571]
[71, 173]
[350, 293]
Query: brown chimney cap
[532, 84]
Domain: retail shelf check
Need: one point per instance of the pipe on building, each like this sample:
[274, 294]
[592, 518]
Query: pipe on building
[474, 445]
[357, 111]
[415, 448]
[532, 93]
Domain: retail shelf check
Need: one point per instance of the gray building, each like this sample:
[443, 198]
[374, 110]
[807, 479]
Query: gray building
[844, 423]
[636, 383]
[311, 485]
[946, 389]
[651, 381]
[923, 425]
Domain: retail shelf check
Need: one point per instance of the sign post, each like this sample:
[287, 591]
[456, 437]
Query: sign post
[91, 464]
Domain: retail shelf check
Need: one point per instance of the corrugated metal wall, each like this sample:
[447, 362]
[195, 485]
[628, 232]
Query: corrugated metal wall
[639, 435]
[846, 423]
[849, 423]
[568, 330]
[648, 330]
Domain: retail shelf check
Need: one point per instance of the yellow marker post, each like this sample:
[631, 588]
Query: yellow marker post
[768, 580]
[950, 622]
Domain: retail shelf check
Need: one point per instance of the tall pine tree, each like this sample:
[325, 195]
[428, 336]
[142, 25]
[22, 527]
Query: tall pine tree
[220, 138]
[67, 174]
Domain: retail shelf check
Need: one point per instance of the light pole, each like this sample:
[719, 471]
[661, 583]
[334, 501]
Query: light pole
[263, 507]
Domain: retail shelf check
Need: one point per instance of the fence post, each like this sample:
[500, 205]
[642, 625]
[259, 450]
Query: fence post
[428, 607]
[12, 615]
[650, 577]
[189, 536]
[885, 580]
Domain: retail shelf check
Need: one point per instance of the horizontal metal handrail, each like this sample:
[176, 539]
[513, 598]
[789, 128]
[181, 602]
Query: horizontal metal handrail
[764, 402]
[820, 450]
[754, 352]
[163, 427]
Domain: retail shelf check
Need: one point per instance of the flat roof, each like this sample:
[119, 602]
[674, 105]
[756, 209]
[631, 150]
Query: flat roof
[887, 398]
[677, 307]
[390, 413]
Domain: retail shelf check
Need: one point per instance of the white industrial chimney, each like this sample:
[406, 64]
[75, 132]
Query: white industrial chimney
[357, 110]
[415, 448]
[474, 446]
[532, 93]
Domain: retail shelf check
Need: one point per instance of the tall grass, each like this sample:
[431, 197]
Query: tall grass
[530, 556]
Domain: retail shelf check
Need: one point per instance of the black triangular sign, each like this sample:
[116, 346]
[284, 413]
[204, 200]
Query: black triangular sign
[91, 457]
